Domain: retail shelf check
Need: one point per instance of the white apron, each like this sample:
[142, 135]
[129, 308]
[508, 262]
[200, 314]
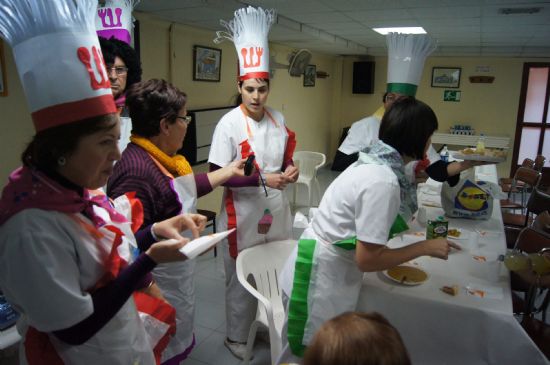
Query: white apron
[123, 340]
[321, 268]
[242, 208]
[176, 279]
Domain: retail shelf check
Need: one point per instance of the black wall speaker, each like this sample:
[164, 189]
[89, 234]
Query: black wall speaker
[363, 77]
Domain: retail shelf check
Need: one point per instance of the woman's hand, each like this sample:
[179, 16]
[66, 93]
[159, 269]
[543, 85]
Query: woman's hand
[171, 228]
[276, 181]
[439, 247]
[291, 173]
[236, 167]
[167, 251]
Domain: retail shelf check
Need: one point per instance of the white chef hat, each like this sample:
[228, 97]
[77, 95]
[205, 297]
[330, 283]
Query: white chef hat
[114, 19]
[249, 30]
[58, 59]
[406, 56]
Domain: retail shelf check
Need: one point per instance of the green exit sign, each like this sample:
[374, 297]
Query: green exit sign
[451, 95]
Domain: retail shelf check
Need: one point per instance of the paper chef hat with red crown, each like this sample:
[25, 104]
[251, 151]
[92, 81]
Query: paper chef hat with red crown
[58, 59]
[249, 30]
[114, 19]
[406, 56]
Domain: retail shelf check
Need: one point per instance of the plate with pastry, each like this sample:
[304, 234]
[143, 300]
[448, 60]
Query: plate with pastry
[486, 155]
[406, 274]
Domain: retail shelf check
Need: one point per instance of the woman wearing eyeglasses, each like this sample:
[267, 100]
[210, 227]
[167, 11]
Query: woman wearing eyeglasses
[165, 184]
[124, 70]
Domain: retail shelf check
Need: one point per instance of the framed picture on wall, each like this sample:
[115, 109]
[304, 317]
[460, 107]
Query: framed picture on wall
[207, 63]
[309, 75]
[448, 77]
[3, 76]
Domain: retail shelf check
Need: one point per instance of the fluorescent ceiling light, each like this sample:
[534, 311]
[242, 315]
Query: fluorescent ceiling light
[404, 30]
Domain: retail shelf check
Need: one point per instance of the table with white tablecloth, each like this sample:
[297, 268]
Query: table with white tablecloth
[465, 329]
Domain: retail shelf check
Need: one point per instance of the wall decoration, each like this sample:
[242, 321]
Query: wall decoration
[206, 63]
[3, 75]
[448, 77]
[309, 75]
[482, 79]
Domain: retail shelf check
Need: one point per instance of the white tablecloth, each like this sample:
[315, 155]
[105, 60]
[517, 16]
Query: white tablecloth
[465, 329]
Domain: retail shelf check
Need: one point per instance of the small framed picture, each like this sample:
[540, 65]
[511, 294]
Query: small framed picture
[3, 75]
[448, 77]
[309, 75]
[207, 63]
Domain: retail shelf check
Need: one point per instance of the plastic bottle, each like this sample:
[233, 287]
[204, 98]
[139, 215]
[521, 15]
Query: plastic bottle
[444, 154]
[480, 147]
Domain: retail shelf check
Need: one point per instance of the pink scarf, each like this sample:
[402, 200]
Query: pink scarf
[120, 101]
[29, 188]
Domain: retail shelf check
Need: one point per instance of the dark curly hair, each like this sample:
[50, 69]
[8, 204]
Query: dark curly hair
[407, 125]
[112, 48]
[150, 101]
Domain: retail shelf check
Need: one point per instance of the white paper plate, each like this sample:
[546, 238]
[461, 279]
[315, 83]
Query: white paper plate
[399, 279]
[474, 157]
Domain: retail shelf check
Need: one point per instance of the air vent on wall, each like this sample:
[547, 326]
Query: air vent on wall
[508, 11]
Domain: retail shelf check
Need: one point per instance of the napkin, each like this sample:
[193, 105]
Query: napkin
[484, 291]
[202, 244]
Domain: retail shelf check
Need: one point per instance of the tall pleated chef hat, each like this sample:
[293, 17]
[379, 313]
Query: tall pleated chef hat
[249, 30]
[114, 19]
[58, 59]
[406, 56]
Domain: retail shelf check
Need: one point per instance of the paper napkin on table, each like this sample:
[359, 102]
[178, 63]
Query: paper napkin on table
[484, 291]
[199, 245]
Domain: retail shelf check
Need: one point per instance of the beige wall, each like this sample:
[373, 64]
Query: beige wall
[317, 114]
[489, 108]
[16, 127]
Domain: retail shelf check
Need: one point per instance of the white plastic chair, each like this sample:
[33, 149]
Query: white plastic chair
[309, 163]
[264, 262]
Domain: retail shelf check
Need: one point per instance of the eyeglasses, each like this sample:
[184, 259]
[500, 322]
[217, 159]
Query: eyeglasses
[390, 98]
[119, 70]
[187, 119]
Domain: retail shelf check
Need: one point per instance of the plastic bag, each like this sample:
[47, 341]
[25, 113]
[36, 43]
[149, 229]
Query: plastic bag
[469, 198]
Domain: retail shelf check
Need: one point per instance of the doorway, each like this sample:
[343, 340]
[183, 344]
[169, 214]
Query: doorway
[533, 121]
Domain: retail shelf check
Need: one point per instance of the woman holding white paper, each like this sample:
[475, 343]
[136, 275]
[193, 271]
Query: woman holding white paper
[165, 184]
[66, 262]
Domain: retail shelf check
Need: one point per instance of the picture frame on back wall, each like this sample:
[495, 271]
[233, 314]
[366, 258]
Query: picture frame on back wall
[309, 75]
[3, 75]
[448, 77]
[207, 63]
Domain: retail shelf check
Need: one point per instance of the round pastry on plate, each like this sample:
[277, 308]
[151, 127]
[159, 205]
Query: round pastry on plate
[407, 275]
